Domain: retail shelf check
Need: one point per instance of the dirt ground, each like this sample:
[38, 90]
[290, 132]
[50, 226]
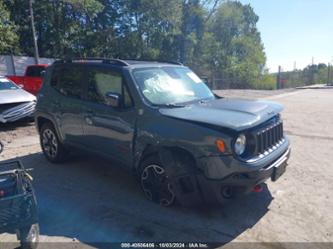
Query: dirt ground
[89, 200]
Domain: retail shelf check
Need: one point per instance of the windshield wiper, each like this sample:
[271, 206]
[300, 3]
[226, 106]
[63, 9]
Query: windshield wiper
[203, 101]
[171, 105]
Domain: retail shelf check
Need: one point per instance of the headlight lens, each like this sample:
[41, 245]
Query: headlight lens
[240, 144]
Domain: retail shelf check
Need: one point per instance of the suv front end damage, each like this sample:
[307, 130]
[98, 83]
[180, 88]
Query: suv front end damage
[244, 178]
[221, 177]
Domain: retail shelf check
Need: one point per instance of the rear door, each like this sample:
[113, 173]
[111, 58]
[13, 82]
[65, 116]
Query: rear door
[67, 103]
[108, 130]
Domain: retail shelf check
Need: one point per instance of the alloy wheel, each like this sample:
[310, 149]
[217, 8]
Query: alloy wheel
[50, 143]
[34, 234]
[156, 185]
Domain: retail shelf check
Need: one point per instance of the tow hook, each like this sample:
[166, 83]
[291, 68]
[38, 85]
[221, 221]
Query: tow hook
[257, 188]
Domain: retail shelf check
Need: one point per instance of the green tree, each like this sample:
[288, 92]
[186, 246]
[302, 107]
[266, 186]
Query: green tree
[238, 54]
[218, 39]
[151, 27]
[59, 25]
[8, 37]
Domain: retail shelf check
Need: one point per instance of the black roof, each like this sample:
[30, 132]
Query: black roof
[118, 62]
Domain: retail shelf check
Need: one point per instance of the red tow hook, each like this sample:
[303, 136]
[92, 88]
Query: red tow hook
[257, 188]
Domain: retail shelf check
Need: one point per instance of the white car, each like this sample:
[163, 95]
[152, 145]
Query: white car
[15, 103]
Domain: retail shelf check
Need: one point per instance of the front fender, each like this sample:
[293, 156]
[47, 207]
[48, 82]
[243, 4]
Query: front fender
[156, 132]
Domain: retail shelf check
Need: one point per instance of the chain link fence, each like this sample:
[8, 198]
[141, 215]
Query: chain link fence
[314, 74]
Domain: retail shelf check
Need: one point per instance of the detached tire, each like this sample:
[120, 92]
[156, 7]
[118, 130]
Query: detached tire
[52, 148]
[29, 237]
[155, 182]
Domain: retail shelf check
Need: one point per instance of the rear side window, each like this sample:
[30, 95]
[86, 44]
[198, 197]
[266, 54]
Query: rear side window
[68, 80]
[34, 71]
[101, 81]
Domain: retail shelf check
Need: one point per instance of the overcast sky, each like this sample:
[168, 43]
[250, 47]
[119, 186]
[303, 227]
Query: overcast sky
[295, 30]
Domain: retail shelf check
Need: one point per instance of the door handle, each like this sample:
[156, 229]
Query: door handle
[88, 120]
[56, 104]
[88, 116]
[90, 112]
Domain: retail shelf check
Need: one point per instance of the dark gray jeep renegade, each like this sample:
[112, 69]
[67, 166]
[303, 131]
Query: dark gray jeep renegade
[162, 122]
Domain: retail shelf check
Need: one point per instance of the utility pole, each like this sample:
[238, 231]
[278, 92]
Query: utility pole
[33, 32]
[312, 72]
[12, 61]
[328, 74]
[278, 79]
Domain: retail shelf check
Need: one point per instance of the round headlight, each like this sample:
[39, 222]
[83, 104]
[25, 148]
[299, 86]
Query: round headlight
[240, 144]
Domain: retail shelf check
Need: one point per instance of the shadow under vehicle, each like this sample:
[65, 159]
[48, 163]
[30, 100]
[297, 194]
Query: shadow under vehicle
[105, 216]
[18, 206]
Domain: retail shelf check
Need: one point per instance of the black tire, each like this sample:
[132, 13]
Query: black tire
[155, 183]
[52, 148]
[1, 147]
[29, 237]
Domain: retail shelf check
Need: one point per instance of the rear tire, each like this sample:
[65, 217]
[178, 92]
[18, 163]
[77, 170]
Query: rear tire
[155, 183]
[29, 237]
[53, 149]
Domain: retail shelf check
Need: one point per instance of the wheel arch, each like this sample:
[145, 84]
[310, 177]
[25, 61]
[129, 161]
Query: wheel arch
[41, 119]
[150, 150]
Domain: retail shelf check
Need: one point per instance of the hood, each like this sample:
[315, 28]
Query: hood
[15, 96]
[236, 114]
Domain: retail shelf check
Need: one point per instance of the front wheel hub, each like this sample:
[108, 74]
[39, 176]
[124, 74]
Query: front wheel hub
[156, 185]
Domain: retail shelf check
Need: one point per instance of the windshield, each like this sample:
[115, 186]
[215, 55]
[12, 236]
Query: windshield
[171, 85]
[6, 84]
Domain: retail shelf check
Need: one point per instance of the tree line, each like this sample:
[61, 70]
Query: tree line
[312, 74]
[218, 39]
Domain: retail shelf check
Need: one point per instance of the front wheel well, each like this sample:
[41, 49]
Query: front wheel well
[41, 121]
[177, 151]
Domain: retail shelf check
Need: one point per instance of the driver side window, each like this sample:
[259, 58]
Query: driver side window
[102, 81]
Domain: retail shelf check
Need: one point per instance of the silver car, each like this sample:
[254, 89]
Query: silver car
[15, 103]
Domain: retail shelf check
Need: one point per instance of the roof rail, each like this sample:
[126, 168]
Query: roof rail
[103, 60]
[172, 62]
[157, 61]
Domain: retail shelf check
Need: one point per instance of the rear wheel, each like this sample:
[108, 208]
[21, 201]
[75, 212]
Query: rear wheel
[52, 148]
[155, 182]
[29, 237]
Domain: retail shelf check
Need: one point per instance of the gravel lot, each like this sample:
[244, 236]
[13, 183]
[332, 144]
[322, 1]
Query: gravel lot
[90, 200]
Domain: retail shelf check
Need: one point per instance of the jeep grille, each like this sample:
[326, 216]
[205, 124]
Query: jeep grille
[269, 137]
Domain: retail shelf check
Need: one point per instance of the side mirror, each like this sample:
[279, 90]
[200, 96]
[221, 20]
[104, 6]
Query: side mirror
[112, 99]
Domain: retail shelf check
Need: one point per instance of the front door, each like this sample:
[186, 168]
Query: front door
[108, 129]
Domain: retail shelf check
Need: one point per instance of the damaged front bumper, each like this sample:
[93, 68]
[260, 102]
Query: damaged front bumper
[239, 183]
[19, 111]
[197, 187]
